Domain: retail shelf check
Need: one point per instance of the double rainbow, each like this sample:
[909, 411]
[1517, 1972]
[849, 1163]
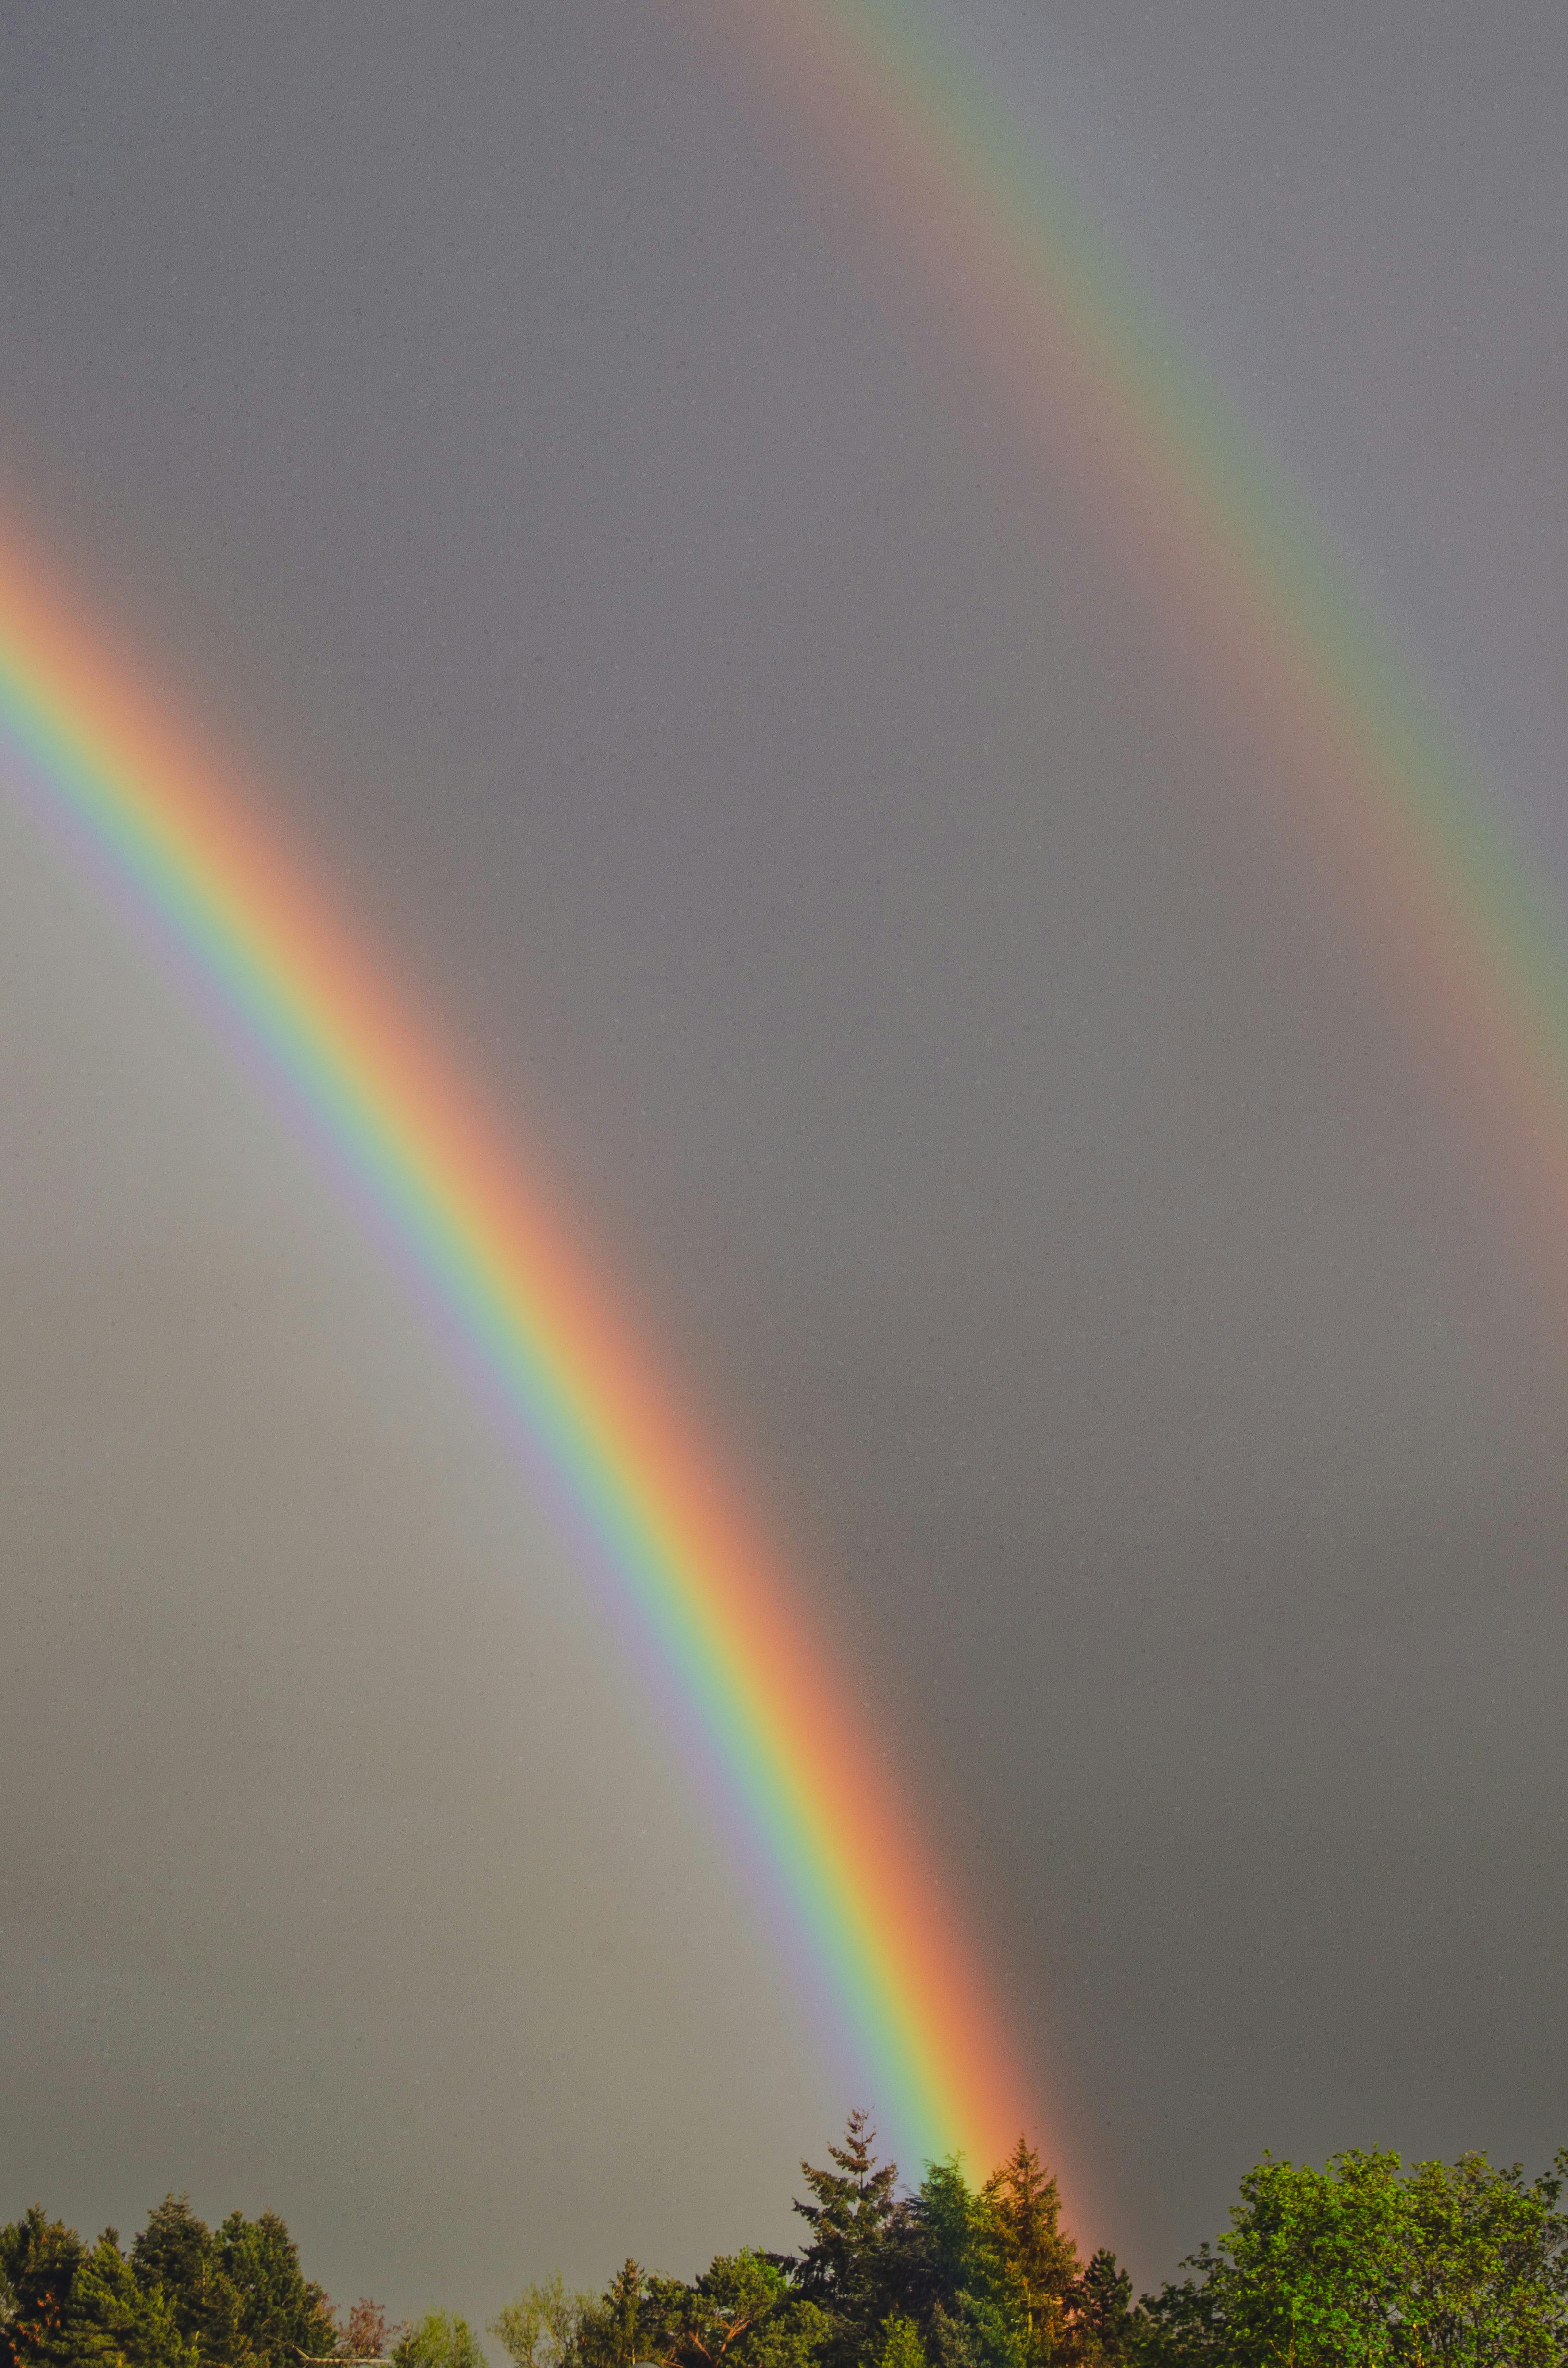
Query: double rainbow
[1367, 793]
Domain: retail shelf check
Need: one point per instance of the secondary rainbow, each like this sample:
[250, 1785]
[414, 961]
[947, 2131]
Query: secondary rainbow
[1365, 788]
[145, 799]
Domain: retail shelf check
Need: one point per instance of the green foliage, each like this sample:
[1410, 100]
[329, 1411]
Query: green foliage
[182, 2298]
[851, 2267]
[1363, 2264]
[902, 2347]
[538, 2327]
[282, 2313]
[973, 2281]
[116, 2319]
[742, 2311]
[850, 2217]
[176, 2254]
[39, 2262]
[1035, 2262]
[620, 2328]
[1460, 2264]
[946, 2275]
[442, 2339]
[1109, 2328]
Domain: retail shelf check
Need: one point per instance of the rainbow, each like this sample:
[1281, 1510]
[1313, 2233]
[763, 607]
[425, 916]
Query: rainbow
[148, 804]
[1362, 786]
[1365, 791]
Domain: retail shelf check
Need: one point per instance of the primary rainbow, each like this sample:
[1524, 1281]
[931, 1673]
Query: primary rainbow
[144, 799]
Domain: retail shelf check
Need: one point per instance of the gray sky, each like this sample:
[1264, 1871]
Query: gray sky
[491, 425]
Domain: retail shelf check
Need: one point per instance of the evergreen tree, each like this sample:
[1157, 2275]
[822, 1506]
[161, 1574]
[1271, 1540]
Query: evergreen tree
[620, 2328]
[940, 2275]
[1103, 2317]
[849, 2216]
[847, 2266]
[281, 2312]
[1035, 2261]
[38, 2262]
[174, 2250]
[176, 2254]
[117, 2321]
[940, 2234]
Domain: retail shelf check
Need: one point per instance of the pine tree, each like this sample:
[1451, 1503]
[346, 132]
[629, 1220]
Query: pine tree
[1102, 2309]
[39, 2260]
[617, 2329]
[174, 2250]
[846, 2265]
[176, 2253]
[850, 2218]
[1036, 2261]
[281, 2312]
[117, 2321]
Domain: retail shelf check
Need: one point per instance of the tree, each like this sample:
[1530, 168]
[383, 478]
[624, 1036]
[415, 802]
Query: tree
[1036, 2262]
[365, 2333]
[281, 2312]
[538, 2327]
[66, 2304]
[1486, 2277]
[621, 2327]
[1462, 2264]
[175, 2249]
[117, 2321]
[176, 2254]
[38, 2262]
[845, 2267]
[1102, 2315]
[442, 2339]
[902, 2347]
[940, 2273]
[741, 2313]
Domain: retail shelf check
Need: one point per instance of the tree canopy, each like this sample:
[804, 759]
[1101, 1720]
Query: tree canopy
[1366, 2263]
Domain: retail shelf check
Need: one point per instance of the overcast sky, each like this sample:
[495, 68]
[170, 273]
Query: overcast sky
[501, 431]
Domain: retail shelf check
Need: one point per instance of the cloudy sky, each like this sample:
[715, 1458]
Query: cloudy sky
[504, 433]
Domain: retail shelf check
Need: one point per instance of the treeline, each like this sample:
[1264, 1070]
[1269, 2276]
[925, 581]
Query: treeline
[1363, 2262]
